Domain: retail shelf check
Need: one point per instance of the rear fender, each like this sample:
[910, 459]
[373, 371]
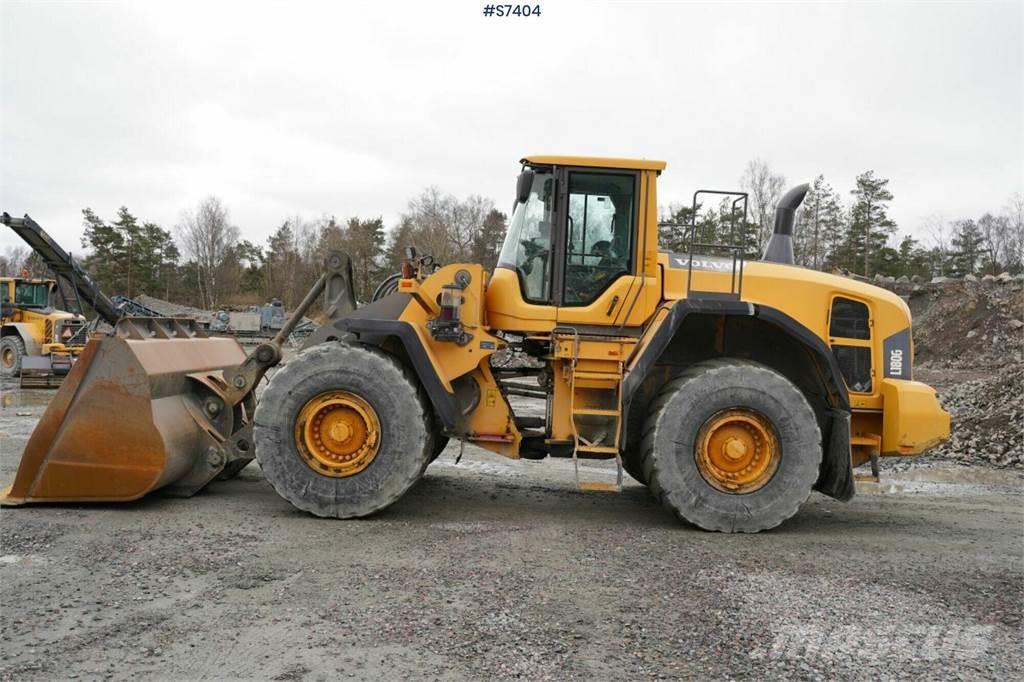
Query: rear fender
[836, 477]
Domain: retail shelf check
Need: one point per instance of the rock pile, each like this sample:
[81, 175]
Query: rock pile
[988, 419]
[969, 340]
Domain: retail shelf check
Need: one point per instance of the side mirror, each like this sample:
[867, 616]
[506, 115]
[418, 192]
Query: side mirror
[523, 186]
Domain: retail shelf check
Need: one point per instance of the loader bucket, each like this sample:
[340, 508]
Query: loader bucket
[138, 411]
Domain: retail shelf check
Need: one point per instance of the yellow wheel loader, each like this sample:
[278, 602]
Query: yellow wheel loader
[732, 389]
[38, 343]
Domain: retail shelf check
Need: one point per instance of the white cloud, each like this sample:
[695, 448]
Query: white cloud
[352, 108]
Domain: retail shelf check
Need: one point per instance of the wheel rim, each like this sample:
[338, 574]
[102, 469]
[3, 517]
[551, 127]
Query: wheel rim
[7, 358]
[737, 451]
[337, 434]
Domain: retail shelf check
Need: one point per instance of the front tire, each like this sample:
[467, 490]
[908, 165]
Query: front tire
[731, 446]
[343, 466]
[12, 350]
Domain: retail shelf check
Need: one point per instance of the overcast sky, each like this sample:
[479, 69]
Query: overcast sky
[352, 108]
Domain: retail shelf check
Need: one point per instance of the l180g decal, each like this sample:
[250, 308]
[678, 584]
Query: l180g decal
[896, 355]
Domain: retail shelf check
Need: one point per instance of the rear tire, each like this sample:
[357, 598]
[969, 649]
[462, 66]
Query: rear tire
[12, 350]
[680, 413]
[404, 445]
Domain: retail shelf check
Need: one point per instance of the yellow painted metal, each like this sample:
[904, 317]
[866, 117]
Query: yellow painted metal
[913, 420]
[338, 434]
[595, 162]
[450, 360]
[737, 451]
[492, 424]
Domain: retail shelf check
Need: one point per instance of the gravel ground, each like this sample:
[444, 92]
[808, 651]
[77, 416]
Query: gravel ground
[498, 569]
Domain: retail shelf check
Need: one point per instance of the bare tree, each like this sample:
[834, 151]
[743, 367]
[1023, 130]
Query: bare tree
[765, 188]
[940, 232]
[12, 263]
[1015, 229]
[207, 236]
[443, 226]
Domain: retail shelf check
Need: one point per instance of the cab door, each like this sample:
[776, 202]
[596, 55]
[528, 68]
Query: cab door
[596, 254]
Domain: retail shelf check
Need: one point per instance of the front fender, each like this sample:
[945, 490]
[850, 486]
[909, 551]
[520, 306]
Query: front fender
[23, 331]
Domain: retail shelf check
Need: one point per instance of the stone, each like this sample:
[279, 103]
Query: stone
[970, 278]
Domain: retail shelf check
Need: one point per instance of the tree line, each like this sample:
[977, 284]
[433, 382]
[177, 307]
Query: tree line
[854, 233]
[206, 261]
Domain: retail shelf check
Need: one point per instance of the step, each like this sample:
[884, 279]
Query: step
[598, 486]
[606, 449]
[597, 376]
[596, 412]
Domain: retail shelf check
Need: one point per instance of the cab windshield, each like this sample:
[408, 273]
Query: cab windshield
[29, 295]
[527, 248]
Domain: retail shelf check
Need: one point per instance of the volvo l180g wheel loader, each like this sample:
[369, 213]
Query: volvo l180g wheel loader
[730, 388]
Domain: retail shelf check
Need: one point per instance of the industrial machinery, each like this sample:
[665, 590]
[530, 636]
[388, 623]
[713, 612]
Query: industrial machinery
[38, 342]
[730, 388]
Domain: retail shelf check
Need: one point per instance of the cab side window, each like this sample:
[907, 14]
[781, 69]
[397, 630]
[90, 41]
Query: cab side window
[849, 331]
[599, 245]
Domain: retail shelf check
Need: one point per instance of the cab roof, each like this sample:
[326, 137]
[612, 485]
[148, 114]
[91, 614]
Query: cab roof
[594, 162]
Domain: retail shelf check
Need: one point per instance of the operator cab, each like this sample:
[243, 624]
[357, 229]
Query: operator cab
[25, 294]
[572, 242]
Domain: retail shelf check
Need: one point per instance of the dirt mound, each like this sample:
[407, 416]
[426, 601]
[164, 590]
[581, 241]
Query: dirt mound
[970, 325]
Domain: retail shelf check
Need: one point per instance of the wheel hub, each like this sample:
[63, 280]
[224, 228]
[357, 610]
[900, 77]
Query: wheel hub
[337, 434]
[7, 357]
[737, 451]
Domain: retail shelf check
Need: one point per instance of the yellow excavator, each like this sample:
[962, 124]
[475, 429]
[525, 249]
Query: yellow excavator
[731, 388]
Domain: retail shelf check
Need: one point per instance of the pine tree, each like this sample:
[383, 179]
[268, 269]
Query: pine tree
[968, 247]
[870, 225]
[819, 231]
[488, 240]
[364, 243]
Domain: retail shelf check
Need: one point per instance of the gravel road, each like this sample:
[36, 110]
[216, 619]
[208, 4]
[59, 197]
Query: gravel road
[498, 569]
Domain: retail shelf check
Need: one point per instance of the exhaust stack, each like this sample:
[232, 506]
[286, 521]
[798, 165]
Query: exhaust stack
[780, 244]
